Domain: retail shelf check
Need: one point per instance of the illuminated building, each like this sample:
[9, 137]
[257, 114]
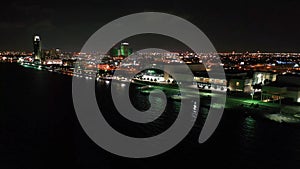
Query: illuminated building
[37, 48]
[123, 50]
[115, 52]
[263, 77]
[239, 81]
[285, 87]
[242, 84]
[53, 62]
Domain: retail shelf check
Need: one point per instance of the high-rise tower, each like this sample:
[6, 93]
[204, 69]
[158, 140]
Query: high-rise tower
[37, 47]
[125, 50]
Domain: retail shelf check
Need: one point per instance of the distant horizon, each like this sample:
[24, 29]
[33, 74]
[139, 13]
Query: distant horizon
[229, 51]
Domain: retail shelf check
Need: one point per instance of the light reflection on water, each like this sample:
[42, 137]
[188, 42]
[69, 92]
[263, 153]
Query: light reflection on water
[254, 142]
[47, 132]
[248, 128]
[247, 136]
[195, 111]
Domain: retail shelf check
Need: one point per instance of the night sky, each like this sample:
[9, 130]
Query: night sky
[240, 26]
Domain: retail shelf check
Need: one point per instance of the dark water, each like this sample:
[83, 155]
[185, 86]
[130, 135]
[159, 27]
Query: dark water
[39, 129]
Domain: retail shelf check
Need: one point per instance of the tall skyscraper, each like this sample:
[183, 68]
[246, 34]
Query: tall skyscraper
[37, 47]
[125, 50]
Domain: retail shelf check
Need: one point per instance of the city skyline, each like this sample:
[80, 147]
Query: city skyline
[78, 95]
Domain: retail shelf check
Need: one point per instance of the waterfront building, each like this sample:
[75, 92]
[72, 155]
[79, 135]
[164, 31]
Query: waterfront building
[263, 78]
[203, 81]
[285, 87]
[239, 81]
[235, 81]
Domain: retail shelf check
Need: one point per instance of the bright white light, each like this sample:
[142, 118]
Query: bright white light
[125, 43]
[36, 38]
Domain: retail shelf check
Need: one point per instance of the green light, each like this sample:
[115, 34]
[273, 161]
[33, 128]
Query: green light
[151, 71]
[250, 121]
[252, 101]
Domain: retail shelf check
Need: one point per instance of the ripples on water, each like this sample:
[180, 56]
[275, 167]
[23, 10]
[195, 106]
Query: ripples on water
[239, 142]
[39, 129]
